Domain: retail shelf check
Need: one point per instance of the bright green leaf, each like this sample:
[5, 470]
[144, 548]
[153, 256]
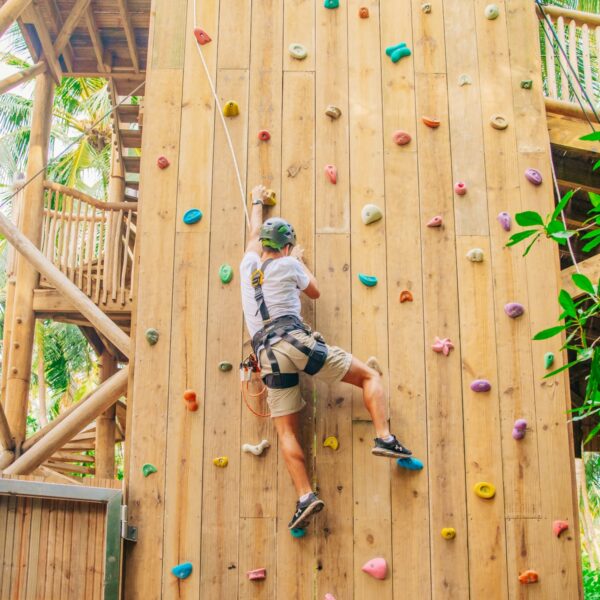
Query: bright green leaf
[529, 217]
[548, 333]
[515, 238]
[555, 226]
[594, 198]
[563, 202]
[565, 300]
[583, 283]
[591, 137]
[591, 245]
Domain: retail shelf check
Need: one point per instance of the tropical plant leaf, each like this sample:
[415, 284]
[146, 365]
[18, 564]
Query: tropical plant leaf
[529, 217]
[583, 283]
[548, 333]
[563, 202]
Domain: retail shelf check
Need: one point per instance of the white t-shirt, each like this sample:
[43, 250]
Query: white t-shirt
[284, 279]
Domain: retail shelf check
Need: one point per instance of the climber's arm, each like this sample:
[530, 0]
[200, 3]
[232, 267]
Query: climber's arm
[256, 220]
[312, 289]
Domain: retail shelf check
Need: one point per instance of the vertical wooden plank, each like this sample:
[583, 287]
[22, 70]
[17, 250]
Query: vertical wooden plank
[35, 549]
[99, 553]
[234, 35]
[299, 28]
[42, 568]
[79, 540]
[91, 539]
[257, 550]
[11, 528]
[67, 571]
[57, 556]
[20, 546]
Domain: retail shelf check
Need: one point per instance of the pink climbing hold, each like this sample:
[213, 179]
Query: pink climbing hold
[257, 574]
[519, 429]
[481, 385]
[329, 597]
[435, 222]
[533, 176]
[376, 567]
[559, 526]
[460, 188]
[201, 36]
[401, 137]
[505, 220]
[264, 135]
[514, 309]
[443, 345]
[162, 162]
[331, 172]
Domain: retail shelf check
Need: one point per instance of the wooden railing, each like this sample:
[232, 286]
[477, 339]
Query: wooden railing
[579, 35]
[91, 242]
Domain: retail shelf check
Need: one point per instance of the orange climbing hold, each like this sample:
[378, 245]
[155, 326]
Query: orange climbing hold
[331, 172]
[406, 296]
[559, 526]
[431, 122]
[401, 138]
[363, 12]
[191, 400]
[201, 36]
[529, 576]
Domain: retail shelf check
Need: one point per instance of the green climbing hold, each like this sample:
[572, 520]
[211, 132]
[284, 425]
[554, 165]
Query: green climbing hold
[368, 280]
[152, 336]
[225, 273]
[548, 359]
[397, 52]
[527, 84]
[148, 469]
[225, 366]
[298, 532]
[332, 3]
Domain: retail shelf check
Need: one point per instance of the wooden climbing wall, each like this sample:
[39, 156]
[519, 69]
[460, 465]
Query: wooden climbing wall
[228, 521]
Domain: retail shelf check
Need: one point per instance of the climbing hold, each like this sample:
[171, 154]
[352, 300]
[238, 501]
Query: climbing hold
[332, 3]
[257, 574]
[435, 222]
[448, 533]
[191, 216]
[410, 464]
[225, 366]
[443, 345]
[533, 176]
[162, 162]
[527, 84]
[368, 280]
[226, 273]
[519, 429]
[514, 309]
[148, 469]
[376, 567]
[464, 79]
[460, 188]
[401, 137]
[152, 336]
[426, 8]
[399, 52]
[201, 36]
[373, 363]
[475, 255]
[269, 198]
[258, 449]
[559, 526]
[529, 577]
[391, 49]
[363, 12]
[491, 12]
[481, 385]
[264, 135]
[221, 461]
[191, 400]
[331, 442]
[504, 220]
[329, 597]
[231, 109]
[370, 213]
[431, 122]
[406, 296]
[485, 490]
[333, 111]
[548, 359]
[331, 172]
[298, 532]
[298, 51]
[182, 571]
[498, 122]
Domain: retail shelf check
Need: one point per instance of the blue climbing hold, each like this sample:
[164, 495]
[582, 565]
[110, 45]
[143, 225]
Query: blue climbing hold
[298, 532]
[412, 464]
[332, 3]
[182, 571]
[391, 49]
[398, 51]
[192, 216]
[368, 280]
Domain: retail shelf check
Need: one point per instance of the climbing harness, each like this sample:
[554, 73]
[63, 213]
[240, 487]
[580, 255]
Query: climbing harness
[278, 329]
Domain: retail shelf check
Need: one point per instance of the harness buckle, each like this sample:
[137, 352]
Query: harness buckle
[257, 278]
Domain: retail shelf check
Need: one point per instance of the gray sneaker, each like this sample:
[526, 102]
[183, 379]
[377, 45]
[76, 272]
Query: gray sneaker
[304, 510]
[393, 449]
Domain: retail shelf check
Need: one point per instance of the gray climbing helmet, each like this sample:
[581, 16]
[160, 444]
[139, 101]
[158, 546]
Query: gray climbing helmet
[276, 233]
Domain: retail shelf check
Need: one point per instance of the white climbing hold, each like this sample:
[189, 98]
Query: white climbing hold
[370, 213]
[464, 79]
[475, 255]
[258, 449]
[298, 51]
[374, 364]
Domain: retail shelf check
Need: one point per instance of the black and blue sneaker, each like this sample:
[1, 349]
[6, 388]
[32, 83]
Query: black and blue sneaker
[304, 510]
[393, 449]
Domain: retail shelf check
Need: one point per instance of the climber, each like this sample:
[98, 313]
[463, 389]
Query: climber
[273, 274]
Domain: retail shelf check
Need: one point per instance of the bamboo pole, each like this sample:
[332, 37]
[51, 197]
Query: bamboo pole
[66, 287]
[63, 189]
[8, 83]
[580, 18]
[10, 12]
[105, 425]
[103, 397]
[568, 109]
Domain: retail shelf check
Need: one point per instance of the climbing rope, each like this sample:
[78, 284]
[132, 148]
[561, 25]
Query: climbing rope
[225, 128]
[246, 392]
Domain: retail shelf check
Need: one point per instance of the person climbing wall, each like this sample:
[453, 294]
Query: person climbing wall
[273, 274]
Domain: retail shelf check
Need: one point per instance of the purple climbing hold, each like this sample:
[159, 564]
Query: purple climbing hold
[533, 176]
[481, 385]
[519, 429]
[505, 220]
[514, 309]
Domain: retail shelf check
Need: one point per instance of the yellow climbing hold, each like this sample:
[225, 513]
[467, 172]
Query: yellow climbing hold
[231, 109]
[331, 442]
[269, 198]
[485, 490]
[448, 533]
[221, 461]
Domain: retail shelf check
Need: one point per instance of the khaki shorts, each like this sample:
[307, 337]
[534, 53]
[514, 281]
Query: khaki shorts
[289, 400]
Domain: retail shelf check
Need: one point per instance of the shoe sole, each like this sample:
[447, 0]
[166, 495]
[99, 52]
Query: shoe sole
[313, 509]
[389, 453]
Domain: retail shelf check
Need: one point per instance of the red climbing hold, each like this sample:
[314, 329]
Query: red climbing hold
[460, 188]
[529, 576]
[559, 526]
[406, 296]
[431, 122]
[264, 135]
[435, 222]
[162, 162]
[191, 400]
[401, 137]
[363, 12]
[331, 172]
[201, 36]
[257, 574]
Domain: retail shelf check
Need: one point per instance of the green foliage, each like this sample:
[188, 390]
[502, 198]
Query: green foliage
[591, 581]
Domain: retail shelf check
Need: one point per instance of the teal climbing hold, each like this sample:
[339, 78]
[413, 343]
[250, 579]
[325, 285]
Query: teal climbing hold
[548, 359]
[225, 273]
[397, 52]
[368, 280]
[148, 469]
[412, 464]
[332, 3]
[391, 49]
[225, 366]
[298, 532]
[192, 216]
[182, 571]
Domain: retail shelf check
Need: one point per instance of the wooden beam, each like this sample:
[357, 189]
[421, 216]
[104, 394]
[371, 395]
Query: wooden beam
[97, 44]
[590, 267]
[63, 189]
[580, 17]
[10, 12]
[47, 46]
[75, 15]
[569, 109]
[568, 131]
[129, 34]
[60, 281]
[103, 397]
[8, 83]
[105, 425]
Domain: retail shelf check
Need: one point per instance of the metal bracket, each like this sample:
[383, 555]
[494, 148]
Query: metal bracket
[128, 532]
